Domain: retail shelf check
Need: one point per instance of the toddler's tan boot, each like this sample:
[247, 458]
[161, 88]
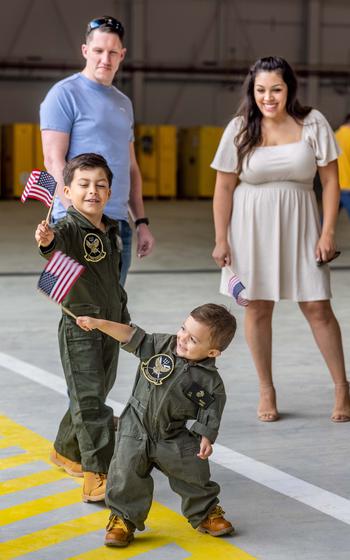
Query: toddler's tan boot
[118, 532]
[215, 524]
[94, 488]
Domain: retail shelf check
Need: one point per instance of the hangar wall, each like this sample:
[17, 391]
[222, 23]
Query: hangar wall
[186, 58]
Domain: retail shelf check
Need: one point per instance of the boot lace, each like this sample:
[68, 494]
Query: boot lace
[216, 513]
[116, 522]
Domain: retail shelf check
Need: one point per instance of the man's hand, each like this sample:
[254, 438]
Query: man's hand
[44, 234]
[205, 449]
[145, 241]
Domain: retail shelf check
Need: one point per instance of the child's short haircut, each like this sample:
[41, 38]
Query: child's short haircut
[85, 161]
[221, 323]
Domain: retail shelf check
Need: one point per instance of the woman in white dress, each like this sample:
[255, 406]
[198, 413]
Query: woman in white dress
[267, 224]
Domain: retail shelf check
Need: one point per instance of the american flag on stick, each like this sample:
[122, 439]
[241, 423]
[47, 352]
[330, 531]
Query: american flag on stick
[236, 288]
[59, 275]
[41, 186]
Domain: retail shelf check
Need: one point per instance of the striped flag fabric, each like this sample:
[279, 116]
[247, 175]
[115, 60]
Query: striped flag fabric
[41, 186]
[59, 275]
[237, 289]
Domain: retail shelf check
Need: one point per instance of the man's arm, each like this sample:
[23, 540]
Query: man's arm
[55, 148]
[145, 239]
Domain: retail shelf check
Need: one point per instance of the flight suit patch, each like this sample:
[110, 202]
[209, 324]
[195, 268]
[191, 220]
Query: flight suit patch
[198, 395]
[158, 368]
[93, 247]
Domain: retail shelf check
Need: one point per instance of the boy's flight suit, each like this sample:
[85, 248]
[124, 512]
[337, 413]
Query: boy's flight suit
[89, 359]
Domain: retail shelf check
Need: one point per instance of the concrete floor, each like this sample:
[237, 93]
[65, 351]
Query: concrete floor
[286, 486]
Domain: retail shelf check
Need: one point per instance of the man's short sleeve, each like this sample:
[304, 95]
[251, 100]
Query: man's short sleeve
[132, 134]
[56, 111]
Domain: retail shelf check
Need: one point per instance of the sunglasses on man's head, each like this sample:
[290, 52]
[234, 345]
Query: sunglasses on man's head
[106, 22]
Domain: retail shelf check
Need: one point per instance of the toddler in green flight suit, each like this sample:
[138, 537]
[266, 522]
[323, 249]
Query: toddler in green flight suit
[176, 381]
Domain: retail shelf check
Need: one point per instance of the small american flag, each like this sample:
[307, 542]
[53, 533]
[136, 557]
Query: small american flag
[59, 275]
[237, 289]
[40, 185]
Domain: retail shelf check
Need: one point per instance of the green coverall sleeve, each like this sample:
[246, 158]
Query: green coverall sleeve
[208, 419]
[125, 316]
[145, 345]
[140, 343]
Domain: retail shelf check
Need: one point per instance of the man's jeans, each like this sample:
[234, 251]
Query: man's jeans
[126, 236]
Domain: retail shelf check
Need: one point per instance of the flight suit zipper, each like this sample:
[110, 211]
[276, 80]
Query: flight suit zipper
[184, 370]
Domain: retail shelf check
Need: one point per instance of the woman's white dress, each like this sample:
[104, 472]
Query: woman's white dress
[275, 222]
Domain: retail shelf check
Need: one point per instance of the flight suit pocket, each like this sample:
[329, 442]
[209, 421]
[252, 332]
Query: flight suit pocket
[84, 349]
[193, 468]
[84, 309]
[131, 453]
[189, 445]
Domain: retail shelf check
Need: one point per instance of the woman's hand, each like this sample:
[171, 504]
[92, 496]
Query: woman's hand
[222, 254]
[325, 247]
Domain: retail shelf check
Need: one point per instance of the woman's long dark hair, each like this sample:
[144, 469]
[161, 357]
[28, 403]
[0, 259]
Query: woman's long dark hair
[250, 134]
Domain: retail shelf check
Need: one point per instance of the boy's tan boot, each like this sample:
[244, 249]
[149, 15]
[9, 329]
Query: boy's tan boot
[215, 524]
[94, 488]
[71, 467]
[118, 532]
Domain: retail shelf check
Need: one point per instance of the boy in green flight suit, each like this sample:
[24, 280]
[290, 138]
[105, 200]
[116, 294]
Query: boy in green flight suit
[85, 441]
[176, 381]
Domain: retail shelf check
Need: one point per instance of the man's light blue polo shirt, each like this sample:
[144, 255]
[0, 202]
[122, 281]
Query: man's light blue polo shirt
[98, 119]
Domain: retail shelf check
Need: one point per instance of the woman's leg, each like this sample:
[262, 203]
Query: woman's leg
[258, 331]
[326, 331]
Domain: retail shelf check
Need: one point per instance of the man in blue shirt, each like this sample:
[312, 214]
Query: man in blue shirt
[86, 113]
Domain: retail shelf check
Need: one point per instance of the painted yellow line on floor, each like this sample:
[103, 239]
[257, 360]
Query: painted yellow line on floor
[19, 436]
[42, 505]
[165, 525]
[53, 535]
[15, 461]
[36, 479]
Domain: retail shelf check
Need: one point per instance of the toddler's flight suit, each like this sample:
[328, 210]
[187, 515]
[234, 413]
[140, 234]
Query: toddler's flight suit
[152, 431]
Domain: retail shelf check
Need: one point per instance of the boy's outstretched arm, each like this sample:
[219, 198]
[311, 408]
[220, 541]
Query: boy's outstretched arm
[119, 331]
[44, 235]
[205, 449]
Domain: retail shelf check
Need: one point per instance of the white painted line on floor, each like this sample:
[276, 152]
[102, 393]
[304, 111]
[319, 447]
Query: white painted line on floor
[279, 481]
[286, 484]
[34, 373]
[44, 377]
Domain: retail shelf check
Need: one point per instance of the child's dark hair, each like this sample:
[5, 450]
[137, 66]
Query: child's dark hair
[85, 161]
[221, 323]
